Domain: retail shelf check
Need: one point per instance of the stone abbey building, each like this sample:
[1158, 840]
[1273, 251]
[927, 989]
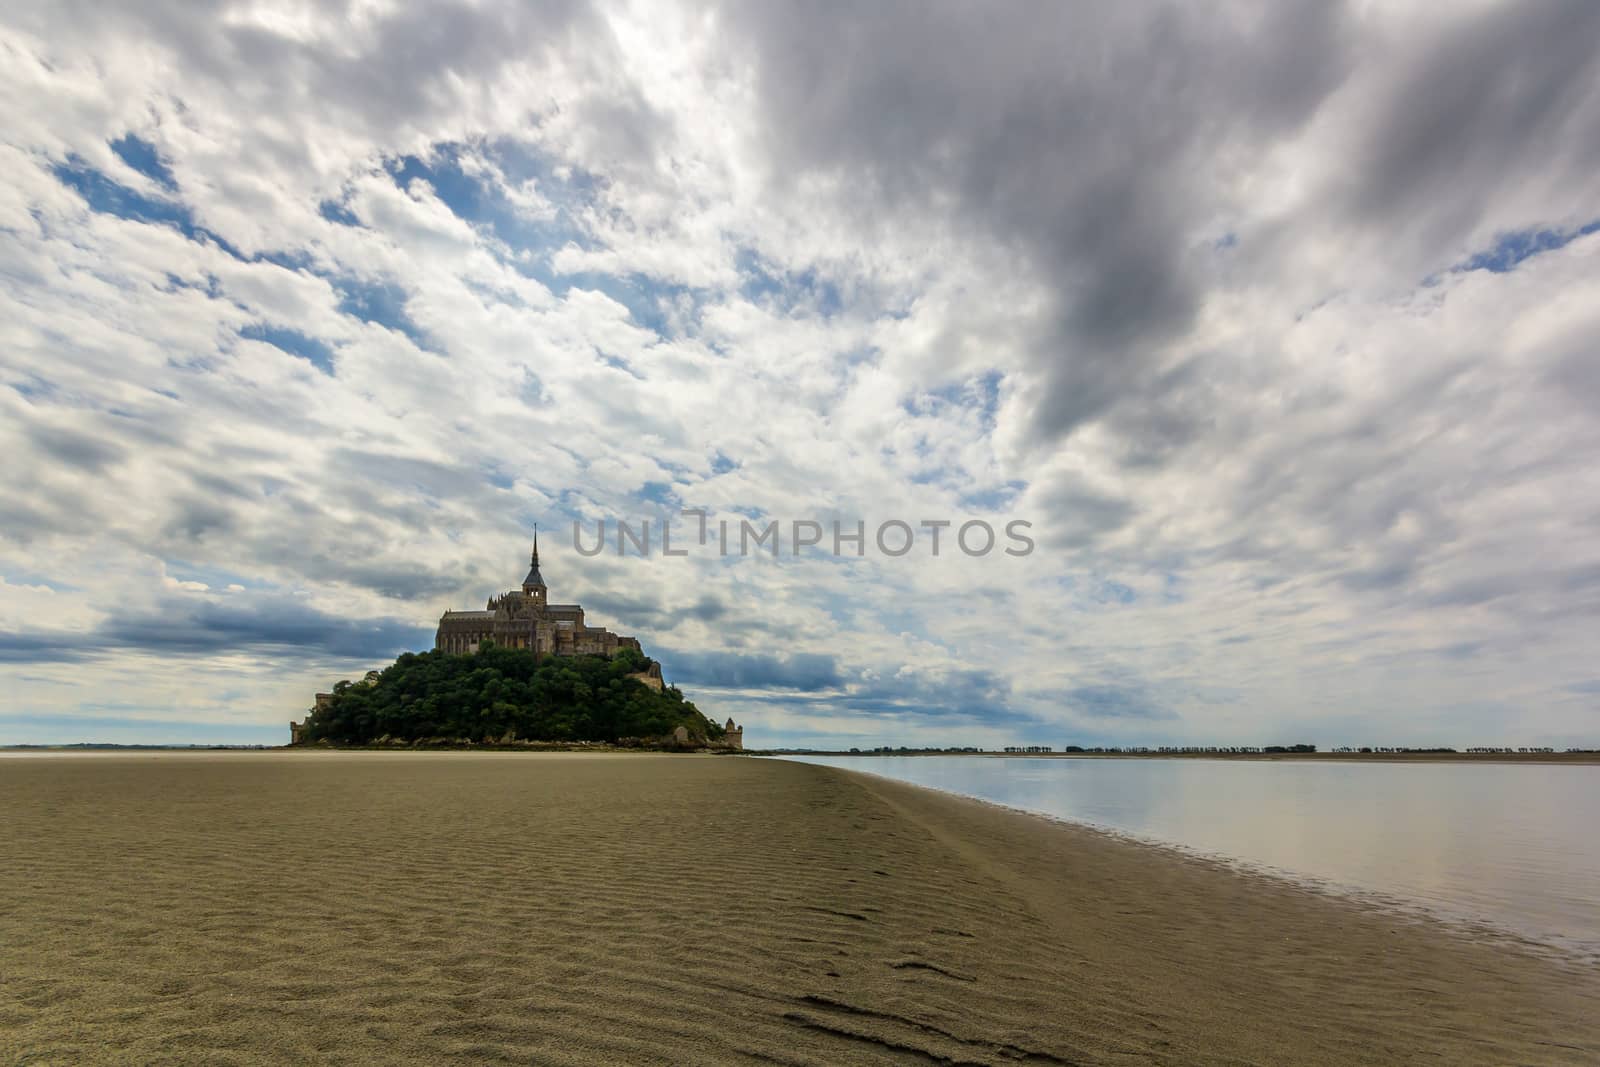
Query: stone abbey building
[523, 618]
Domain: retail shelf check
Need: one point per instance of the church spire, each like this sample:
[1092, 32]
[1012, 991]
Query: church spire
[533, 580]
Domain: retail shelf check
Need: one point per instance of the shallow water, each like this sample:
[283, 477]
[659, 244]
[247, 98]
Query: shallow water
[1514, 846]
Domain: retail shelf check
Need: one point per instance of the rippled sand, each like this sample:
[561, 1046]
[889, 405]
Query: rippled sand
[408, 907]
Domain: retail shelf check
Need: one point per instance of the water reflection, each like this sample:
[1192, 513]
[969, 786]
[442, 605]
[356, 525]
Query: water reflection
[1511, 845]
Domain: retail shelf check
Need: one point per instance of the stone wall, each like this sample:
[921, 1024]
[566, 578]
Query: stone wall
[651, 677]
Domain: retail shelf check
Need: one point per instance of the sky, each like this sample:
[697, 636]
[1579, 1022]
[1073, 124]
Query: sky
[1277, 323]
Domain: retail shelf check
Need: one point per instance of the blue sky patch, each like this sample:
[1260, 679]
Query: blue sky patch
[980, 393]
[1510, 249]
[661, 493]
[482, 204]
[380, 303]
[499, 478]
[27, 729]
[648, 301]
[1110, 592]
[465, 196]
[112, 198]
[995, 498]
[108, 197]
[141, 155]
[34, 388]
[766, 284]
[215, 577]
[22, 577]
[293, 342]
[334, 211]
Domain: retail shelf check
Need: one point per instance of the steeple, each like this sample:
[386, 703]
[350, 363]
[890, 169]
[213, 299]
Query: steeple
[533, 584]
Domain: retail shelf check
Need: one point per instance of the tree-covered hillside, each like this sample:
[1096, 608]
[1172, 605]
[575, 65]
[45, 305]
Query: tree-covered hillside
[500, 692]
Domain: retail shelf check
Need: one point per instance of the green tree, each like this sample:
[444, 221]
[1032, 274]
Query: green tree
[484, 695]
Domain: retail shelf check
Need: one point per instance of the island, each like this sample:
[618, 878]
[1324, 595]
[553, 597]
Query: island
[521, 672]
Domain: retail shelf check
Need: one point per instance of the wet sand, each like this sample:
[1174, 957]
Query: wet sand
[408, 907]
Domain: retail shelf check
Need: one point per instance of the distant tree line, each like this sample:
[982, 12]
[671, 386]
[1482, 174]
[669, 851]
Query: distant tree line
[1479, 750]
[881, 750]
[1166, 750]
[1187, 750]
[506, 694]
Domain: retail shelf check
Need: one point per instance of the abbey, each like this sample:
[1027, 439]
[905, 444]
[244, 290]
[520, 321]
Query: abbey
[523, 618]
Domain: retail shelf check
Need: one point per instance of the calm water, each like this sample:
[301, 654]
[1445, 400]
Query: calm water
[1516, 846]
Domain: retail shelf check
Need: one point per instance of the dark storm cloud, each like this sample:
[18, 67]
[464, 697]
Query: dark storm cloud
[645, 613]
[398, 581]
[1086, 138]
[22, 523]
[203, 628]
[974, 694]
[953, 698]
[1481, 108]
[38, 503]
[1076, 515]
[83, 451]
[1115, 702]
[194, 518]
[211, 627]
[356, 558]
[806, 672]
[42, 647]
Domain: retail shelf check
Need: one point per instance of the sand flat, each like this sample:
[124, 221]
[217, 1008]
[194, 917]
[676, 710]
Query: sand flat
[581, 908]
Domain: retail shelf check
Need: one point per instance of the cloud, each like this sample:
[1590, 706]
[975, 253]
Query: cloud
[111, 729]
[1521, 79]
[632, 611]
[996, 121]
[805, 672]
[1115, 702]
[42, 647]
[1276, 324]
[937, 693]
[190, 627]
[1076, 514]
[74, 449]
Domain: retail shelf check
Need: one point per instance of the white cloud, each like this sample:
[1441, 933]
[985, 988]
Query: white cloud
[1291, 471]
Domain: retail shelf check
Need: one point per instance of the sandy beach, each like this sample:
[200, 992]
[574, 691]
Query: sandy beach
[277, 907]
